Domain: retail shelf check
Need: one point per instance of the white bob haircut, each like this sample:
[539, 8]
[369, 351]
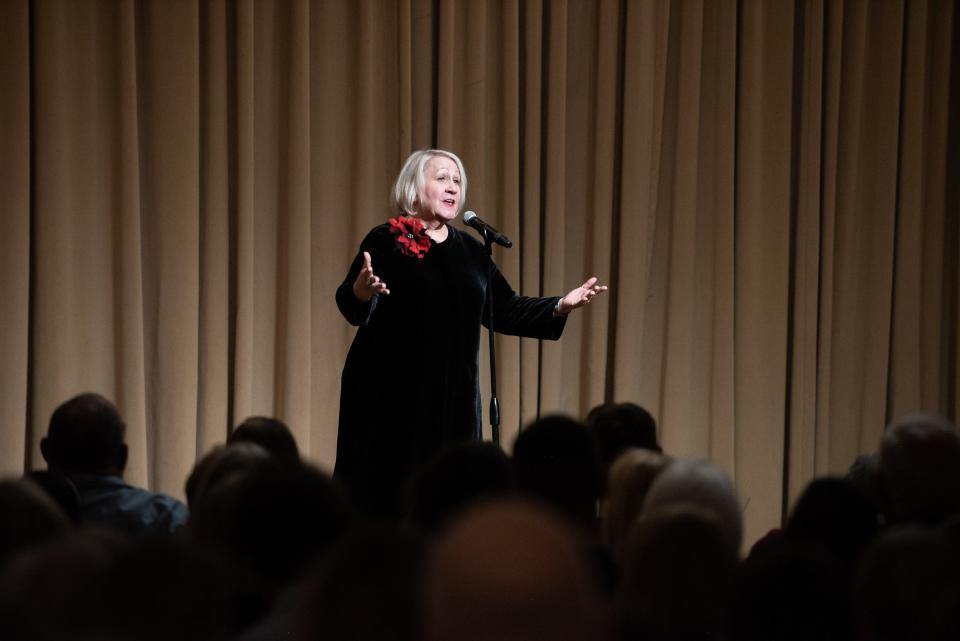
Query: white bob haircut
[410, 182]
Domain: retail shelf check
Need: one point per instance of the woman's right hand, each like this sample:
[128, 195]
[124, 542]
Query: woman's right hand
[367, 283]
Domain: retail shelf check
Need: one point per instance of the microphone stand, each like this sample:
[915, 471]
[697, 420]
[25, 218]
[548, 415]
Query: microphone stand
[494, 403]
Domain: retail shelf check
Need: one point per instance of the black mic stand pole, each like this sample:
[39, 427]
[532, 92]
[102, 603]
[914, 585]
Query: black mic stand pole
[494, 403]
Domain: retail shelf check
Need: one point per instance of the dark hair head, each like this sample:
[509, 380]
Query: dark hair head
[678, 575]
[906, 586]
[556, 461]
[86, 435]
[30, 517]
[457, 479]
[836, 516]
[619, 427]
[221, 464]
[366, 587]
[271, 434]
[792, 591]
[270, 520]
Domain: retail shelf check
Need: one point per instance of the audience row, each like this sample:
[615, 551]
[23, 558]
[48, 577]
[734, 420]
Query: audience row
[589, 531]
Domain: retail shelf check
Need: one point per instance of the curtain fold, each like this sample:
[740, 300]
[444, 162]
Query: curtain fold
[16, 160]
[762, 255]
[771, 189]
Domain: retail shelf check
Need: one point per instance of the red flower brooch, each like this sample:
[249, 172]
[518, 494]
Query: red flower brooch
[410, 235]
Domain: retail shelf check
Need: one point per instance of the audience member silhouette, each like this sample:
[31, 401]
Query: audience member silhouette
[28, 517]
[835, 516]
[55, 591]
[678, 576]
[618, 427]
[458, 478]
[366, 587]
[85, 442]
[556, 462]
[919, 470]
[628, 482]
[271, 434]
[269, 522]
[700, 484]
[99, 585]
[908, 587]
[511, 571]
[223, 463]
[792, 592]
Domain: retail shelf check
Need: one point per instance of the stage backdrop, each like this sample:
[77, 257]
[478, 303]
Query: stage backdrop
[770, 189]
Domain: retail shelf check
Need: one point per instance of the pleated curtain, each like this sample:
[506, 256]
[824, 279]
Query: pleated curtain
[769, 188]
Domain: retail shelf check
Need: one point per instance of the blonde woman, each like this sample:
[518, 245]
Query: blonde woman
[417, 291]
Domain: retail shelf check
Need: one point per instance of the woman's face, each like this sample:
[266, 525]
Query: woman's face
[440, 199]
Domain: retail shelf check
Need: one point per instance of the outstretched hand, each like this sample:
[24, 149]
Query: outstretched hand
[580, 296]
[367, 284]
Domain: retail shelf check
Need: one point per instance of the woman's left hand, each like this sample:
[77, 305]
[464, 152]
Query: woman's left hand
[580, 296]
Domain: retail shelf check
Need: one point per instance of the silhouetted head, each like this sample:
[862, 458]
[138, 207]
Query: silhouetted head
[836, 516]
[556, 461]
[270, 520]
[703, 485]
[677, 576]
[366, 587]
[86, 436]
[907, 587]
[99, 585]
[628, 482]
[58, 589]
[792, 592]
[919, 470]
[28, 516]
[618, 427]
[271, 434]
[458, 478]
[222, 463]
[511, 571]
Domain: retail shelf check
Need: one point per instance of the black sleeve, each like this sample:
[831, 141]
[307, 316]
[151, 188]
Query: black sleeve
[354, 310]
[523, 315]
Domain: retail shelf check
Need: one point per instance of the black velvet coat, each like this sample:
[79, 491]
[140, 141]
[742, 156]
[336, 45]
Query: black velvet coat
[410, 384]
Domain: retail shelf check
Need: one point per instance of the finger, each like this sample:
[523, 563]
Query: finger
[366, 261]
[590, 282]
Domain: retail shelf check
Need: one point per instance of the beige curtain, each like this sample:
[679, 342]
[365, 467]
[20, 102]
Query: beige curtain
[770, 188]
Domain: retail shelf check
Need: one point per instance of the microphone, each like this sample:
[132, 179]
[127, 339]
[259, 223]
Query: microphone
[471, 218]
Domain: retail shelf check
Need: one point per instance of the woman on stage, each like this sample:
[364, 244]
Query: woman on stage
[417, 291]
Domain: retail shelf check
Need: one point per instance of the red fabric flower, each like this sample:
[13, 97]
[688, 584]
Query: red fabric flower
[410, 235]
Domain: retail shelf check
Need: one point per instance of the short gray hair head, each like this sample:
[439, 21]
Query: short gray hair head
[919, 469]
[698, 483]
[410, 182]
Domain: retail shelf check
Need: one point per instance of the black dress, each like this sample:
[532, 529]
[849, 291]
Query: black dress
[410, 383]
